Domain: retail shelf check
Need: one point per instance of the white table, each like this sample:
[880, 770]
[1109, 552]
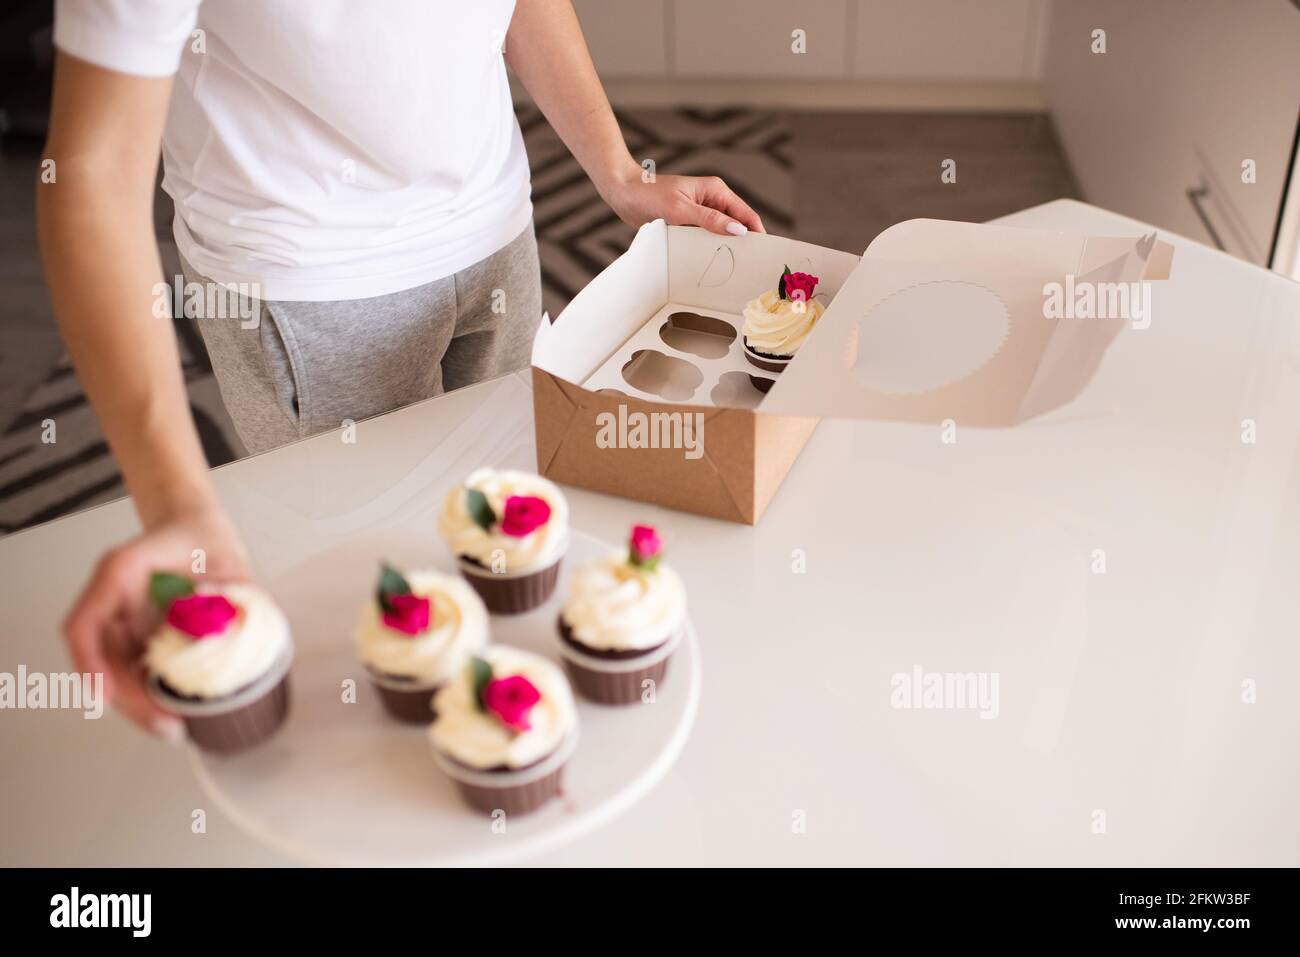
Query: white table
[1119, 692]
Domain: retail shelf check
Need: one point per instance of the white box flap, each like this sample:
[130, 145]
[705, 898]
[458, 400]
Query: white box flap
[608, 310]
[945, 320]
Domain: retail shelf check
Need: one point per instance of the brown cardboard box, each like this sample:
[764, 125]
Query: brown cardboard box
[745, 455]
[937, 321]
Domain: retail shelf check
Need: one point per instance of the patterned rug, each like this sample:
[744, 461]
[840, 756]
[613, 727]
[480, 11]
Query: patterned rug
[577, 234]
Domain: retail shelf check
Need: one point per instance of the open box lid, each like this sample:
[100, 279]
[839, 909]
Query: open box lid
[938, 320]
[985, 325]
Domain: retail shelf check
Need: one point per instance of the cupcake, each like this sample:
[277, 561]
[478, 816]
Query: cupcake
[509, 531]
[624, 617]
[506, 725]
[417, 633]
[220, 661]
[778, 321]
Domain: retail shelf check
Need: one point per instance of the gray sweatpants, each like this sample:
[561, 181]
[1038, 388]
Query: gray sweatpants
[305, 367]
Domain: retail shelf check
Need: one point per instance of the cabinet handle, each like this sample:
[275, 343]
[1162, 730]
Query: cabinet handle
[1194, 195]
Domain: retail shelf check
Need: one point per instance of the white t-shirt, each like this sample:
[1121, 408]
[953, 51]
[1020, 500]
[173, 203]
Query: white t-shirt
[325, 149]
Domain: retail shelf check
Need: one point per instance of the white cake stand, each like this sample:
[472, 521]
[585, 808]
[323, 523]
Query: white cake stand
[344, 784]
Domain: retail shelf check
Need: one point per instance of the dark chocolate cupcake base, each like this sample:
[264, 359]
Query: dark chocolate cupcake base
[614, 677]
[765, 361]
[511, 594]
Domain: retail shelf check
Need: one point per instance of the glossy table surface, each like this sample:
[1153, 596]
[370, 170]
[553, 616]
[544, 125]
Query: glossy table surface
[1125, 567]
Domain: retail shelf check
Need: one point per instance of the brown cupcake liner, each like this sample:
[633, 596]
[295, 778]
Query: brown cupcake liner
[614, 677]
[512, 790]
[511, 594]
[763, 361]
[413, 705]
[615, 688]
[244, 727]
[240, 720]
[514, 799]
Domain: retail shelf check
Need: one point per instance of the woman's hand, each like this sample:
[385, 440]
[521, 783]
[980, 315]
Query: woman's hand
[546, 50]
[705, 201]
[107, 628]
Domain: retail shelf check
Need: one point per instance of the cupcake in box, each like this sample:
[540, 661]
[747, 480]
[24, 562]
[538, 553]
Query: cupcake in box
[778, 322]
[624, 617]
[418, 632]
[509, 531]
[505, 728]
[220, 660]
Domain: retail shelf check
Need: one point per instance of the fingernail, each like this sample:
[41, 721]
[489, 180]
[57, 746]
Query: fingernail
[737, 229]
[171, 730]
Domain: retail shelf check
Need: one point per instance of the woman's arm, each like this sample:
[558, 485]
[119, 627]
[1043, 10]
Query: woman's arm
[546, 49]
[95, 221]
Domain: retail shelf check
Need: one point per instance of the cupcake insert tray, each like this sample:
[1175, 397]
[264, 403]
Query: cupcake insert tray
[684, 354]
[343, 783]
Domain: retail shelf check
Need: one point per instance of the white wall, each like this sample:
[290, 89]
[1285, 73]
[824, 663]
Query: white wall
[1186, 91]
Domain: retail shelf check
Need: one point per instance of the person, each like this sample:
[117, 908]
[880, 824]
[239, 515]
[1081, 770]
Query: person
[355, 174]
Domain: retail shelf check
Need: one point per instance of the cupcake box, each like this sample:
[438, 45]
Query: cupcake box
[641, 387]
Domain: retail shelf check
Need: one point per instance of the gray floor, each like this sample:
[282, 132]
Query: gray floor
[856, 175]
[833, 179]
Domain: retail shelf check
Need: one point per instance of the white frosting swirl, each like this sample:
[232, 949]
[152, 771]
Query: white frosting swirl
[615, 606]
[494, 549]
[478, 739]
[458, 629]
[779, 326]
[217, 665]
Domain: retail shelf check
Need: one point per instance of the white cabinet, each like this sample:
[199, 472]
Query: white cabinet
[1187, 91]
[925, 40]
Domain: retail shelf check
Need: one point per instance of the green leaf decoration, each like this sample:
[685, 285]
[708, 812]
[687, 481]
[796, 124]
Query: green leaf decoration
[480, 674]
[391, 583]
[646, 564]
[165, 588]
[479, 509]
[780, 286]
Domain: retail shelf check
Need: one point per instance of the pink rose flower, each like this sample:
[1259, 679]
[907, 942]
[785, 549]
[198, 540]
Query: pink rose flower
[645, 543]
[524, 514]
[511, 699]
[201, 616]
[799, 286]
[411, 614]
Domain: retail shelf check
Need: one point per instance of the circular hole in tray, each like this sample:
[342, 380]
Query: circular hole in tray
[705, 336]
[668, 377]
[738, 390]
